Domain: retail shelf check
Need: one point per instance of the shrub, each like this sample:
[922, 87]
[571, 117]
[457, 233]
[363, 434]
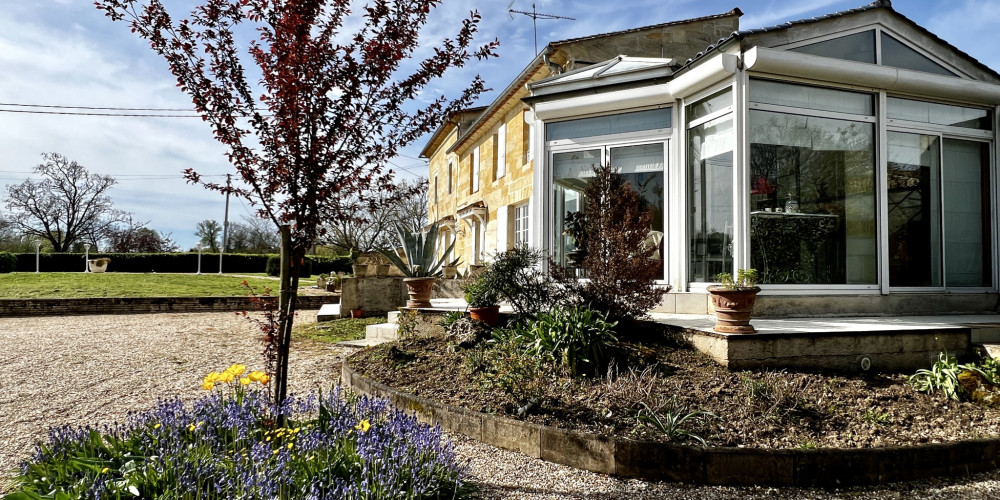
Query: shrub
[7, 262]
[273, 266]
[518, 279]
[483, 291]
[576, 338]
[504, 366]
[621, 263]
[333, 446]
[672, 419]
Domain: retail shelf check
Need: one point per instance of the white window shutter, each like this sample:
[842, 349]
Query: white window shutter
[502, 151]
[503, 227]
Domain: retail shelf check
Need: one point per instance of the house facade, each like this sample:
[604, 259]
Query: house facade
[850, 159]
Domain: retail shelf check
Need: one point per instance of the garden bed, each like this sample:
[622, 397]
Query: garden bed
[660, 376]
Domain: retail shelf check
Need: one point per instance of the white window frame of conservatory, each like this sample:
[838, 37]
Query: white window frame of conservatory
[913, 128]
[605, 143]
[879, 29]
[827, 289]
[683, 256]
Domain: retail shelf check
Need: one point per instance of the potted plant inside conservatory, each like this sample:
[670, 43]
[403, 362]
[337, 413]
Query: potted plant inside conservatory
[734, 301]
[422, 262]
[576, 228]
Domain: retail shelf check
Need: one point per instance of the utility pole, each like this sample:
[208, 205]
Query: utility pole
[225, 221]
[535, 16]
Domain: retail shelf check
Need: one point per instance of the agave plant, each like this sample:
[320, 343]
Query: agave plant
[420, 249]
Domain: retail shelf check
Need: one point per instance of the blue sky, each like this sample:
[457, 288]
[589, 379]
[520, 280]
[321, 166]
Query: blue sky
[66, 53]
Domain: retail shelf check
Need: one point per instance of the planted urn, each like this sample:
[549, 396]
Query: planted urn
[733, 300]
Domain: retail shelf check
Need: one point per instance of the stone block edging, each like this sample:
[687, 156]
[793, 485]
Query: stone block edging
[822, 467]
[138, 305]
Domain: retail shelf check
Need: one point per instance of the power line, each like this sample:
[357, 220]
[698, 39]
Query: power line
[91, 107]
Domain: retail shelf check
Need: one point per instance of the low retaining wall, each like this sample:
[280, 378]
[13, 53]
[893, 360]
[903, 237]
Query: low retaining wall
[140, 305]
[693, 464]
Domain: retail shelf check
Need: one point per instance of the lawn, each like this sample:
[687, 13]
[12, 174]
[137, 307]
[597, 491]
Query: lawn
[338, 330]
[86, 285]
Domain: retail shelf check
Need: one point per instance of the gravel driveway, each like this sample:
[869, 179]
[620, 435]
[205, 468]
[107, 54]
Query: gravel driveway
[95, 369]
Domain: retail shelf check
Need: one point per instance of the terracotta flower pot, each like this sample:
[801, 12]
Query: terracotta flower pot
[733, 308]
[489, 315]
[356, 313]
[419, 290]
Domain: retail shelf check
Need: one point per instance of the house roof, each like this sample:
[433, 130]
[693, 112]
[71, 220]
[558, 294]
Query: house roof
[877, 4]
[538, 62]
[613, 67]
[444, 129]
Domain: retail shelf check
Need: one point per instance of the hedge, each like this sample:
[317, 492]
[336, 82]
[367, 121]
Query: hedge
[172, 263]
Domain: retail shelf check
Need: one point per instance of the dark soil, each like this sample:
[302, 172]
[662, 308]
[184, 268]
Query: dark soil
[654, 370]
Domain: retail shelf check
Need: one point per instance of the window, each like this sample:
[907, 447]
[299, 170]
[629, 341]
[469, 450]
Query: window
[450, 167]
[861, 47]
[899, 55]
[610, 124]
[710, 188]
[642, 166]
[520, 221]
[858, 47]
[812, 185]
[475, 169]
[939, 222]
[939, 114]
[500, 153]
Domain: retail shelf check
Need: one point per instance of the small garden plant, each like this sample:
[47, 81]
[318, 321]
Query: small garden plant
[228, 445]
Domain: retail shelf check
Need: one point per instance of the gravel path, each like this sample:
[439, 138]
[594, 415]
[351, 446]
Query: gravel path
[95, 369]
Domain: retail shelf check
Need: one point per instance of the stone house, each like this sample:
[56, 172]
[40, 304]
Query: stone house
[850, 159]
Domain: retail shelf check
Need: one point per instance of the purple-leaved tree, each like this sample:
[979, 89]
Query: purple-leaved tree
[327, 113]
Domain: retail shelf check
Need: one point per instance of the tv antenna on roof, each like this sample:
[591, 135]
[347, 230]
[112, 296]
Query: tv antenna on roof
[535, 16]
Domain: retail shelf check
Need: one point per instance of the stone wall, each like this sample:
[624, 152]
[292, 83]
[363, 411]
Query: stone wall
[378, 296]
[141, 305]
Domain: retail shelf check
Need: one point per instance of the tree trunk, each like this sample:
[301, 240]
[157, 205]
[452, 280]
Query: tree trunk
[286, 313]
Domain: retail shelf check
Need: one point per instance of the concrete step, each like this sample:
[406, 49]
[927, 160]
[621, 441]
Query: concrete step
[328, 312]
[366, 342]
[382, 331]
[393, 317]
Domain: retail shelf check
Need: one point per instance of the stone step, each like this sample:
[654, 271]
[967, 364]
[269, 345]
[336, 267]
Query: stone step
[393, 317]
[328, 312]
[366, 342]
[992, 350]
[382, 331]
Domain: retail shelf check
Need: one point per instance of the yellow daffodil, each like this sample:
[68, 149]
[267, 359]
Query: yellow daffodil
[290, 445]
[255, 376]
[213, 377]
[191, 428]
[237, 369]
[105, 470]
[245, 381]
[264, 379]
[364, 425]
[157, 426]
[208, 385]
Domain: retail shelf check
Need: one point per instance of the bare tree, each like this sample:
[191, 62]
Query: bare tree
[66, 206]
[252, 236]
[208, 233]
[372, 225]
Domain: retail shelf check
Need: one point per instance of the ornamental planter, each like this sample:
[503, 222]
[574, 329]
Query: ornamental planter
[419, 290]
[98, 265]
[489, 314]
[733, 308]
[449, 272]
[382, 270]
[359, 270]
